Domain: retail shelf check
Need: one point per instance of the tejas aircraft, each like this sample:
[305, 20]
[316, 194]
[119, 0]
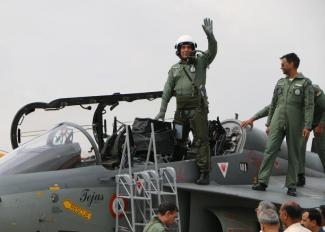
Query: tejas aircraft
[65, 179]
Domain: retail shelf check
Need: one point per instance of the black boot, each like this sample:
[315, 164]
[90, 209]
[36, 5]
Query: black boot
[259, 187]
[204, 179]
[301, 179]
[292, 192]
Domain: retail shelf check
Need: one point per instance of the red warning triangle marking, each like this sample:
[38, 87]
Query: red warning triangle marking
[223, 167]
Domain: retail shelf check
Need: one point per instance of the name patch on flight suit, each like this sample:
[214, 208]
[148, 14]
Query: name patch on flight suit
[176, 70]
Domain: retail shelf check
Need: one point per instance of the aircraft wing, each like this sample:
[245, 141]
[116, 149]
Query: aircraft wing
[310, 196]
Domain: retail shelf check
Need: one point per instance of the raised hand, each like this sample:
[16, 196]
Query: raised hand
[207, 26]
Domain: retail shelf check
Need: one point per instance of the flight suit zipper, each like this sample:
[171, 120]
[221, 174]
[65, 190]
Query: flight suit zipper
[286, 101]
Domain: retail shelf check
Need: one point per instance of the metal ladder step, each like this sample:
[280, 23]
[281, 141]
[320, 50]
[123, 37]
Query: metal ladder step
[145, 189]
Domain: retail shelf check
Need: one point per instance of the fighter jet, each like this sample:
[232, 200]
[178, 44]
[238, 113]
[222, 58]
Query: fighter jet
[65, 179]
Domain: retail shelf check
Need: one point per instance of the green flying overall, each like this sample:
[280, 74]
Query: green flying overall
[290, 116]
[166, 216]
[186, 80]
[317, 126]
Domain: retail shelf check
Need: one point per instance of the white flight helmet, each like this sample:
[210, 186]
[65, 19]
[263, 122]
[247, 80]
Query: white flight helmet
[184, 39]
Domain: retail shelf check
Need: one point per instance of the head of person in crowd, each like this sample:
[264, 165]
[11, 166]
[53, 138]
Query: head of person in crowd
[312, 220]
[290, 213]
[322, 212]
[269, 220]
[167, 213]
[289, 63]
[264, 205]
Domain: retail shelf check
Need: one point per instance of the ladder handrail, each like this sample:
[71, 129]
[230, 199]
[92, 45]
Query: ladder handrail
[152, 182]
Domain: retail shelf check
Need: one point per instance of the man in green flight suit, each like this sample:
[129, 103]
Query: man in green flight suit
[317, 126]
[167, 213]
[186, 80]
[290, 115]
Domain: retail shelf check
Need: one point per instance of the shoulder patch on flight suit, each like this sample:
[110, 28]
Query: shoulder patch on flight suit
[176, 66]
[279, 87]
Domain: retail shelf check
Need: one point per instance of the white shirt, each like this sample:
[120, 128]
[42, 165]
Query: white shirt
[296, 227]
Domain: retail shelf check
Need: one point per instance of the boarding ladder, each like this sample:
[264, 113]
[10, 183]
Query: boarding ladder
[144, 190]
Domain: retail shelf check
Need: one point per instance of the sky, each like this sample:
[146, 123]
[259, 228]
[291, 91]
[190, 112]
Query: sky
[71, 48]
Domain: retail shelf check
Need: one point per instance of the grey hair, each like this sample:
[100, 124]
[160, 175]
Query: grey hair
[268, 216]
[265, 205]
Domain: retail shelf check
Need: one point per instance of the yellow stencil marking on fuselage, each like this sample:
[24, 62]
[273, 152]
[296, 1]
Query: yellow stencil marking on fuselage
[69, 205]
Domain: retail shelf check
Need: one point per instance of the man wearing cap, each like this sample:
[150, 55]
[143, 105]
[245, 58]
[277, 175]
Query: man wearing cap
[317, 126]
[186, 80]
[290, 115]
